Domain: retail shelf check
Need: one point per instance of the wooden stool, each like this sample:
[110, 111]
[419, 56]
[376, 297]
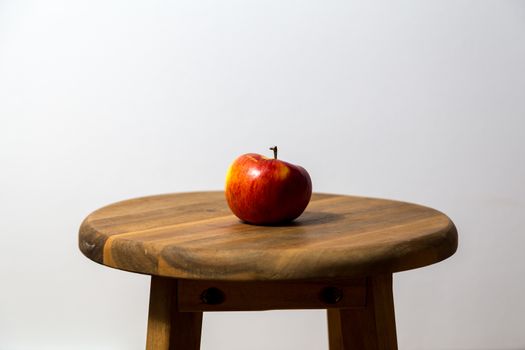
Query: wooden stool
[339, 255]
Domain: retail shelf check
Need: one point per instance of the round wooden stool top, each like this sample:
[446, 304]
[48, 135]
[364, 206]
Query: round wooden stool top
[195, 236]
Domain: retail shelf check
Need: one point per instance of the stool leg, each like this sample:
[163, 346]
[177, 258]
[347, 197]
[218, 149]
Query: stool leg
[169, 329]
[335, 338]
[369, 328]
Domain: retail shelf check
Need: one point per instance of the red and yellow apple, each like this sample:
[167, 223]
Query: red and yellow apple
[265, 191]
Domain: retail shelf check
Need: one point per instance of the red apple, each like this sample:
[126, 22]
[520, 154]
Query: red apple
[265, 191]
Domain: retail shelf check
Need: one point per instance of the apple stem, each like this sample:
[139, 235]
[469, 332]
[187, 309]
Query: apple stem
[274, 149]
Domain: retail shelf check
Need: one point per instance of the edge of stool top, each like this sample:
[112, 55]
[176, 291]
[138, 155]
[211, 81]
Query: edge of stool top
[195, 236]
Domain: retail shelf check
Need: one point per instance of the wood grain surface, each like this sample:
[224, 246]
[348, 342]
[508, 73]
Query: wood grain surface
[168, 328]
[369, 328]
[256, 296]
[195, 236]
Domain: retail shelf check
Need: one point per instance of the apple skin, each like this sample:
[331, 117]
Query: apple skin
[265, 191]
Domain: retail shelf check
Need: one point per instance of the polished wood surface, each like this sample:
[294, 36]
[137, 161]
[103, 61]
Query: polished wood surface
[195, 236]
[370, 328]
[198, 296]
[168, 328]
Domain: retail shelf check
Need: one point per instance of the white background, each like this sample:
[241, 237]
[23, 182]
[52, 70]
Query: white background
[422, 101]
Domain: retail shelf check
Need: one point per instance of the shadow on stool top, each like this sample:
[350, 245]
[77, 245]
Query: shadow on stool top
[195, 236]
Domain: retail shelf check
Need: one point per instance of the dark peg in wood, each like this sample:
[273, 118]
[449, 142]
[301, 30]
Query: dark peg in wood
[331, 295]
[212, 296]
